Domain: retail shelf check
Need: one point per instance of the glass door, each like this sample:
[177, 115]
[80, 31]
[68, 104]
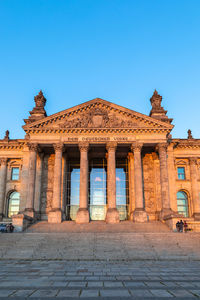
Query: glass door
[97, 205]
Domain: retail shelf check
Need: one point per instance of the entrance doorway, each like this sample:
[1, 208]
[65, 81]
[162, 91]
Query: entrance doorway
[97, 193]
[97, 189]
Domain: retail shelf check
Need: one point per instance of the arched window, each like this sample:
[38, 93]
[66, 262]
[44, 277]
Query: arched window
[13, 204]
[182, 203]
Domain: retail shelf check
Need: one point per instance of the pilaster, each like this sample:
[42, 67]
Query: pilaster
[3, 174]
[194, 184]
[164, 180]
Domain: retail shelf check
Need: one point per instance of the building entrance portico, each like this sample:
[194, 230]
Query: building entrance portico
[99, 161]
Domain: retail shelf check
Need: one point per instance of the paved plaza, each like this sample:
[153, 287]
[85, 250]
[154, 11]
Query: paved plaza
[104, 265]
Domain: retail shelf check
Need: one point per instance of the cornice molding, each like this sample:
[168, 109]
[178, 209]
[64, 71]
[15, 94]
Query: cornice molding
[98, 130]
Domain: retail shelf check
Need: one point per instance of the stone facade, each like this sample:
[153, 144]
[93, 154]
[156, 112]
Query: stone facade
[157, 166]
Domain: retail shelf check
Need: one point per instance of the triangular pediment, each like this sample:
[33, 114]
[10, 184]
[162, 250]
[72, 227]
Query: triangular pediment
[97, 114]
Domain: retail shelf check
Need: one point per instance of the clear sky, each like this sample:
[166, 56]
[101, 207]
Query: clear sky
[118, 50]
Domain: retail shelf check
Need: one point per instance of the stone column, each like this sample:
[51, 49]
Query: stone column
[3, 174]
[172, 178]
[195, 190]
[55, 215]
[64, 185]
[38, 182]
[83, 214]
[112, 215]
[166, 208]
[29, 210]
[139, 214]
[131, 185]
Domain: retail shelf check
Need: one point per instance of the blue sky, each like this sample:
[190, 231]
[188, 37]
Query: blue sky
[77, 50]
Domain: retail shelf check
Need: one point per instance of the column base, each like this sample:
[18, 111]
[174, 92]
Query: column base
[37, 215]
[82, 216]
[167, 213]
[55, 216]
[196, 216]
[112, 216]
[29, 212]
[140, 215]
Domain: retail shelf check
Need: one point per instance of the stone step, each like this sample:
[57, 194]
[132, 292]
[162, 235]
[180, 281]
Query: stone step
[98, 226]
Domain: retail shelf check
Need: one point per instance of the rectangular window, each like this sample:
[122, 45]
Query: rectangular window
[181, 173]
[15, 174]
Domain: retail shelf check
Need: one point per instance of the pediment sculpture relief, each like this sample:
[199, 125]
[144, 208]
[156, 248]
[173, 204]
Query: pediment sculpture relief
[98, 118]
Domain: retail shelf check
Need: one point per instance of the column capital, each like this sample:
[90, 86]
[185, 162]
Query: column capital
[136, 147]
[83, 146]
[111, 146]
[58, 147]
[3, 160]
[193, 160]
[162, 147]
[32, 147]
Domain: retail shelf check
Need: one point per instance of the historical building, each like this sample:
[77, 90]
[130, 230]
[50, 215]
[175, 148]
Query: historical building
[99, 161]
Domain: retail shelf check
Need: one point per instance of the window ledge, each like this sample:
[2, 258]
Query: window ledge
[15, 181]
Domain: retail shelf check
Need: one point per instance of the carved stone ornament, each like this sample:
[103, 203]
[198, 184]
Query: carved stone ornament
[84, 146]
[193, 160]
[136, 147]
[3, 160]
[40, 100]
[156, 100]
[6, 137]
[157, 110]
[190, 137]
[38, 111]
[58, 146]
[111, 146]
[98, 118]
[32, 147]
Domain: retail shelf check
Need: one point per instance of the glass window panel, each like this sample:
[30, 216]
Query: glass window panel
[181, 173]
[13, 204]
[75, 187]
[15, 174]
[182, 203]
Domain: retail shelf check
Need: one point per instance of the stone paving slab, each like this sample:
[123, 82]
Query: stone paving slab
[21, 279]
[100, 265]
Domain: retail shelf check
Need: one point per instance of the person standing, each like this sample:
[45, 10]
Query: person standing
[185, 225]
[181, 226]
